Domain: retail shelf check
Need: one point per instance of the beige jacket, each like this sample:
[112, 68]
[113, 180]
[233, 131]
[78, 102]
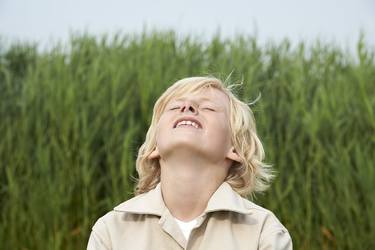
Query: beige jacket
[231, 223]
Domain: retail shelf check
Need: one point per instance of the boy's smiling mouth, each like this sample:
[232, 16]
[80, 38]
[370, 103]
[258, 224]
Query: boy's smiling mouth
[187, 122]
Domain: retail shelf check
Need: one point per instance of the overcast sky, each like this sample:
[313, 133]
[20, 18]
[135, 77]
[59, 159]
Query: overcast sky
[46, 21]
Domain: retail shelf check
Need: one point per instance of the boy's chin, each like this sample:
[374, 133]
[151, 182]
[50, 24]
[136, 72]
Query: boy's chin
[183, 150]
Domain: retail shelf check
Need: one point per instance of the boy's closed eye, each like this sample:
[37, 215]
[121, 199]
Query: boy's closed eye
[208, 108]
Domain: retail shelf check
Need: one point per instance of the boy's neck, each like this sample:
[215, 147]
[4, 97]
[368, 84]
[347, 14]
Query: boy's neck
[188, 185]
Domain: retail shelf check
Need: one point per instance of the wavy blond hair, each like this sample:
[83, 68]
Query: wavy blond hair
[246, 178]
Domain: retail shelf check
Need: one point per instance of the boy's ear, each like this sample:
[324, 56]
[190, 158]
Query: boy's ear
[154, 154]
[232, 154]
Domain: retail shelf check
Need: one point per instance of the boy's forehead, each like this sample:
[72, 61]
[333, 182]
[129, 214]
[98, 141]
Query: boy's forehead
[216, 96]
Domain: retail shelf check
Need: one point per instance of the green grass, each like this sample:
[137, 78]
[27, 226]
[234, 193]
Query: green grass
[72, 119]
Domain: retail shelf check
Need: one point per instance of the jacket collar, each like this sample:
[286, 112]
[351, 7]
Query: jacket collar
[223, 199]
[146, 203]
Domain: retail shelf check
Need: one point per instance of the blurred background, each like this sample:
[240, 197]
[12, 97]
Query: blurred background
[78, 81]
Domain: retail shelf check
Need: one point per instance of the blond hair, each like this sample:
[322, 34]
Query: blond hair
[249, 176]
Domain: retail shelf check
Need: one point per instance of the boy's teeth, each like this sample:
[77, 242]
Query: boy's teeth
[190, 123]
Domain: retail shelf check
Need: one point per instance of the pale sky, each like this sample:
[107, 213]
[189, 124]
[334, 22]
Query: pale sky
[46, 21]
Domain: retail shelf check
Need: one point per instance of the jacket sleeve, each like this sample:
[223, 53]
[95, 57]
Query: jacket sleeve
[276, 240]
[99, 237]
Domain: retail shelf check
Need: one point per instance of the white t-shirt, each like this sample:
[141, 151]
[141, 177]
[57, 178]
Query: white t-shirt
[186, 227]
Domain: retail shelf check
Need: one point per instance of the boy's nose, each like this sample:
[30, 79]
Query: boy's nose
[188, 106]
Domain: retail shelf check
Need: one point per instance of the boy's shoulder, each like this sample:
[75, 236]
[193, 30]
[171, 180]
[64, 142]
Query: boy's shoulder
[265, 217]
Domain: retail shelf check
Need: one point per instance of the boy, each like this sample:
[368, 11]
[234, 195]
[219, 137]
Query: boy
[200, 159]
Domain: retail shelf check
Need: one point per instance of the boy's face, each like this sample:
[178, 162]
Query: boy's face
[196, 122]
